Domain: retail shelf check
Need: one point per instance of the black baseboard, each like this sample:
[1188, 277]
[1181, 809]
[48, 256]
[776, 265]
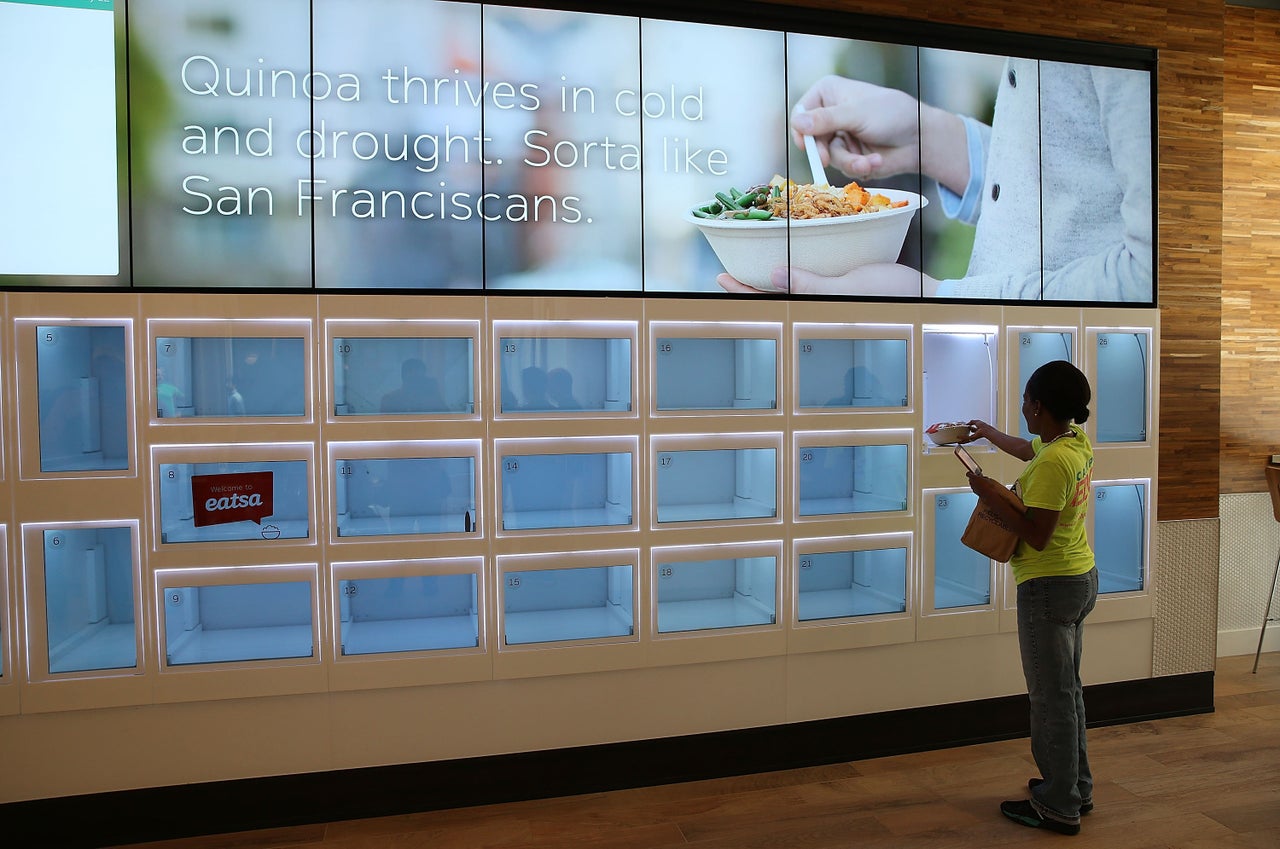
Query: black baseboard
[159, 813]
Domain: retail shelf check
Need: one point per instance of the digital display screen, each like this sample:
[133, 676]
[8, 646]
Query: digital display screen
[399, 144]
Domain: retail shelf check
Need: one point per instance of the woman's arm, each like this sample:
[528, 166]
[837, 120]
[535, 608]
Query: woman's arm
[1013, 445]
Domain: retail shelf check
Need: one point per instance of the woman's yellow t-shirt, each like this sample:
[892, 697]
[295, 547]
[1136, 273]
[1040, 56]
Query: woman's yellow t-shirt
[1057, 478]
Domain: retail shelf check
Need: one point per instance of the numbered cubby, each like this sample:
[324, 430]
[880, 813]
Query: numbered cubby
[852, 578]
[84, 608]
[960, 375]
[1121, 537]
[738, 587]
[569, 484]
[219, 494]
[567, 598]
[236, 615]
[1121, 375]
[230, 369]
[841, 473]
[841, 368]
[706, 367]
[402, 368]
[418, 489]
[76, 410]
[565, 367]
[1029, 348]
[409, 606]
[959, 586]
[727, 478]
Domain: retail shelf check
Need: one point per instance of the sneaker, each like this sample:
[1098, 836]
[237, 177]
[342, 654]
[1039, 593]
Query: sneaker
[1085, 807]
[1023, 813]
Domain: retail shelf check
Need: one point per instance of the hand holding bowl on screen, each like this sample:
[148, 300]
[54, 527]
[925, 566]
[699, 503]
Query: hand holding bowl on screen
[825, 231]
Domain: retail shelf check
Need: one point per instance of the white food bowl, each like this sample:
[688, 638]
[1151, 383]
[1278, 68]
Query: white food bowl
[830, 247]
[947, 433]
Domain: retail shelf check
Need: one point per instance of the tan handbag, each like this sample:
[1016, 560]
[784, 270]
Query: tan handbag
[987, 533]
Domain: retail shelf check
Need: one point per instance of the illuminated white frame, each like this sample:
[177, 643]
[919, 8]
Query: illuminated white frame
[510, 564]
[802, 548]
[676, 443]
[990, 332]
[853, 439]
[801, 331]
[1089, 365]
[603, 329]
[551, 446]
[1013, 382]
[660, 555]
[928, 543]
[1147, 528]
[730, 330]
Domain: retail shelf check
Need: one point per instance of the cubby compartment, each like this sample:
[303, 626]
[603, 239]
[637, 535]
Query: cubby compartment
[405, 488]
[838, 370]
[85, 388]
[960, 381]
[234, 615]
[1120, 535]
[1121, 385]
[89, 581]
[697, 370]
[851, 583]
[1032, 348]
[566, 484]
[212, 377]
[588, 597]
[565, 367]
[422, 375]
[414, 606]
[715, 479]
[736, 589]
[959, 576]
[851, 473]
[207, 494]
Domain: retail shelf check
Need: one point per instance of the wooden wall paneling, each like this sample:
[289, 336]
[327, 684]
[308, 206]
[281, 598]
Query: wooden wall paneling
[1251, 248]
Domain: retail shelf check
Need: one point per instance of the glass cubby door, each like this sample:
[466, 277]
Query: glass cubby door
[1120, 520]
[217, 494]
[730, 478]
[405, 489]
[402, 368]
[572, 597]
[409, 607]
[960, 377]
[737, 588]
[852, 591]
[1121, 375]
[843, 368]
[234, 615]
[704, 367]
[565, 367]
[958, 585]
[1030, 348]
[569, 484]
[852, 472]
[84, 599]
[76, 410]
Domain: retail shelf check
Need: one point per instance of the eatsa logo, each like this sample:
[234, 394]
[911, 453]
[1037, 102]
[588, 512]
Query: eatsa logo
[220, 499]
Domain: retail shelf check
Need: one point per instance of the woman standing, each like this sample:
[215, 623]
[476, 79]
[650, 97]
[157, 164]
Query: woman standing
[1057, 586]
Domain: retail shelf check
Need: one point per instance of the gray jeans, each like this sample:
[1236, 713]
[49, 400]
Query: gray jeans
[1051, 613]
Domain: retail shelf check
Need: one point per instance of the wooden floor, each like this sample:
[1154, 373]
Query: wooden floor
[1201, 782]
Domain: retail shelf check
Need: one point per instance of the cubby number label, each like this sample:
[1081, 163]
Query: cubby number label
[344, 348]
[666, 572]
[806, 347]
[511, 466]
[344, 469]
[664, 461]
[510, 348]
[513, 581]
[806, 562]
[664, 347]
[350, 589]
[806, 456]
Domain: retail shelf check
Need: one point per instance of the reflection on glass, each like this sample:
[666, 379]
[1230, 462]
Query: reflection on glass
[89, 599]
[554, 605]
[841, 584]
[852, 479]
[83, 385]
[237, 622]
[703, 595]
[961, 576]
[843, 373]
[960, 376]
[1119, 534]
[405, 495]
[566, 490]
[716, 374]
[207, 502]
[220, 377]
[1035, 348]
[716, 484]
[1121, 394]
[415, 613]
[569, 375]
[403, 375]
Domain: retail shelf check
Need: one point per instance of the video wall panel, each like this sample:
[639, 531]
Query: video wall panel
[397, 144]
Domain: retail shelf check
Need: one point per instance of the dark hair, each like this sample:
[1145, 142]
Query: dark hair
[1062, 389]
